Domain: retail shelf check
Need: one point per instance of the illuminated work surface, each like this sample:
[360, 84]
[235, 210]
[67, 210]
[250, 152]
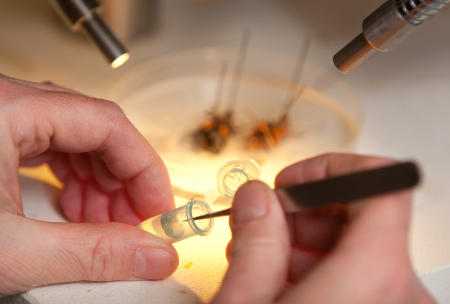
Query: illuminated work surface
[405, 95]
[202, 263]
[198, 277]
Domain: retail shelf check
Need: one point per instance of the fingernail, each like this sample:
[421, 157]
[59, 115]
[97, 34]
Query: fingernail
[152, 263]
[251, 202]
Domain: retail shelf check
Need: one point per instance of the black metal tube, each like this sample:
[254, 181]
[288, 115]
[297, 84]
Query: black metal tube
[105, 40]
[83, 14]
[74, 12]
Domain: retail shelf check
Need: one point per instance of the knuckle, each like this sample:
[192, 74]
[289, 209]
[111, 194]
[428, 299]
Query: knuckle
[111, 108]
[114, 113]
[107, 108]
[101, 256]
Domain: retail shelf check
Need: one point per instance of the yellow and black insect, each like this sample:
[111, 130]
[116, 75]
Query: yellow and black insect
[214, 133]
[267, 135]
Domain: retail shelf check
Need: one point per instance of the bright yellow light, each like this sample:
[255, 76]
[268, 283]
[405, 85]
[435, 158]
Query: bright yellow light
[120, 60]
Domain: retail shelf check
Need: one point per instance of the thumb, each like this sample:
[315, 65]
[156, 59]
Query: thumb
[44, 253]
[259, 252]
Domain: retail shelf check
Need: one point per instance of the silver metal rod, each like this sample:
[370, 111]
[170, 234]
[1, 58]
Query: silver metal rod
[296, 77]
[219, 89]
[385, 28]
[237, 78]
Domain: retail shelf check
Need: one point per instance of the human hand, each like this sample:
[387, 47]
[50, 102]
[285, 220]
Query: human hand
[354, 253]
[109, 172]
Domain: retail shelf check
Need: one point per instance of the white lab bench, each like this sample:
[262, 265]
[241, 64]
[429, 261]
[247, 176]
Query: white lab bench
[405, 95]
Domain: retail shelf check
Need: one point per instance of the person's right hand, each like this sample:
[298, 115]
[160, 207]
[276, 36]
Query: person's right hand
[356, 253]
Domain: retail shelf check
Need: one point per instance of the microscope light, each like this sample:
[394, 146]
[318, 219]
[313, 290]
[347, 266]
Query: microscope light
[83, 14]
[119, 61]
[385, 28]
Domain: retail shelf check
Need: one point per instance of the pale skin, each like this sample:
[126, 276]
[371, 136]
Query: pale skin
[339, 254]
[110, 173]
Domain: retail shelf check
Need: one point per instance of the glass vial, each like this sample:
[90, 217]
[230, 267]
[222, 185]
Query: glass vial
[234, 174]
[178, 224]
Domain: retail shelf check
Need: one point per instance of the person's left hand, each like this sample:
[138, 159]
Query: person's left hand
[109, 172]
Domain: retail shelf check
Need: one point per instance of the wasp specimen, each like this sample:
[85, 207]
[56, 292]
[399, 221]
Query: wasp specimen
[268, 134]
[214, 133]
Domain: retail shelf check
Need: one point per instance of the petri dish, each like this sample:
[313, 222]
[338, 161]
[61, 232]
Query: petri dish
[168, 98]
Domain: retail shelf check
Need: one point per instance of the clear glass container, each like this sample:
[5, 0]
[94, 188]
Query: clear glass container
[178, 224]
[169, 97]
[234, 174]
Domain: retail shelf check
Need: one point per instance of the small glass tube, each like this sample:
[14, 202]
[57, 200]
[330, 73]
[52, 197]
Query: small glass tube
[178, 224]
[234, 174]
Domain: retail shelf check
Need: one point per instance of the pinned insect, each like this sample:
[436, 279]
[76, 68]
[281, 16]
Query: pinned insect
[214, 133]
[267, 135]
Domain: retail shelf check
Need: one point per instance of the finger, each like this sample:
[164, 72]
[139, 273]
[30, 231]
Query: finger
[60, 166]
[9, 183]
[259, 254]
[375, 243]
[72, 197]
[38, 160]
[65, 122]
[319, 229]
[82, 252]
[80, 165]
[228, 251]
[97, 207]
[107, 182]
[122, 211]
[302, 262]
[73, 193]
[79, 204]
[87, 200]
[327, 165]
